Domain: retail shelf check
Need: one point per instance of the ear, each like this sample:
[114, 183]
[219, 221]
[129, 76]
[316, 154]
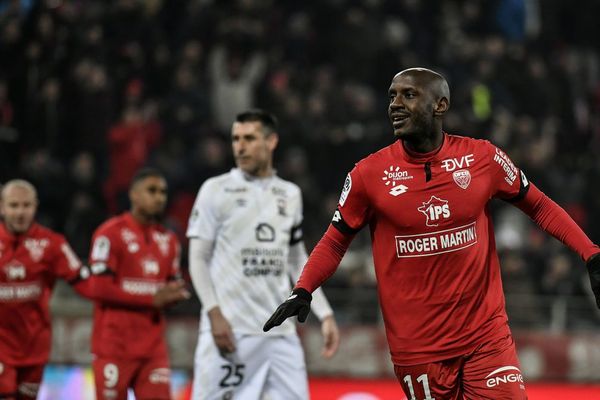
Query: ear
[272, 141]
[441, 107]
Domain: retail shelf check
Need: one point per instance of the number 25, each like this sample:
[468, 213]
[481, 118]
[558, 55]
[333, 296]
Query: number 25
[234, 374]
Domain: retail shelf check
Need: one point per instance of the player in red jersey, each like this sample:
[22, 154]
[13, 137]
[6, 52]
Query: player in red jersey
[425, 200]
[134, 265]
[32, 257]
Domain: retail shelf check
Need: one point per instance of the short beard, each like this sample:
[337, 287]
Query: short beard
[423, 129]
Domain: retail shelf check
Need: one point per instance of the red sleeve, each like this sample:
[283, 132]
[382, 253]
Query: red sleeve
[354, 205]
[65, 262]
[554, 219]
[104, 289]
[508, 182]
[102, 285]
[324, 259]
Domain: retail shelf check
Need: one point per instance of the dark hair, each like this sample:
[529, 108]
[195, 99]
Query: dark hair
[268, 120]
[146, 172]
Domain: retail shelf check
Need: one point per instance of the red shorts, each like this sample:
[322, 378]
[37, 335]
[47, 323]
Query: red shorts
[492, 371]
[20, 382]
[149, 378]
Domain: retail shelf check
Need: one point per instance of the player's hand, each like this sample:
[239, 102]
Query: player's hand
[331, 337]
[297, 304]
[170, 293]
[593, 267]
[221, 331]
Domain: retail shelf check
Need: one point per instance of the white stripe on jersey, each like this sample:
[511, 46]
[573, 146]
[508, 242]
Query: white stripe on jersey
[250, 222]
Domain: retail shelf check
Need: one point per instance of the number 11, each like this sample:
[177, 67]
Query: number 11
[422, 379]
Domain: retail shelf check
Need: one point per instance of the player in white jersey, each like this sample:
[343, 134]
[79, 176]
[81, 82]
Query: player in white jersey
[245, 250]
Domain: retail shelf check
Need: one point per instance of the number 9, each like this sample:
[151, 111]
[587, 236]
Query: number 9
[111, 375]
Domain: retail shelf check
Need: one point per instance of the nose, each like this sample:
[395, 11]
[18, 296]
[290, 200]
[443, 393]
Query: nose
[240, 148]
[397, 103]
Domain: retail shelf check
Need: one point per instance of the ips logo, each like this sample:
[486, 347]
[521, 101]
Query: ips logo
[434, 210]
[14, 271]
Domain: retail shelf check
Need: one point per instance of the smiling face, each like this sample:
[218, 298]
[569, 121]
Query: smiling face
[417, 98]
[253, 147]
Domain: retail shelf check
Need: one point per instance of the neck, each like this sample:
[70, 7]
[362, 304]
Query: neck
[261, 173]
[142, 218]
[425, 144]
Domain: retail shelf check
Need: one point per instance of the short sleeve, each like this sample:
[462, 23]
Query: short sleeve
[508, 182]
[353, 208]
[66, 263]
[203, 221]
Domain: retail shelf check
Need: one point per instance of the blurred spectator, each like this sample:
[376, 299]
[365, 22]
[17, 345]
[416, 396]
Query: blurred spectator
[234, 80]
[130, 142]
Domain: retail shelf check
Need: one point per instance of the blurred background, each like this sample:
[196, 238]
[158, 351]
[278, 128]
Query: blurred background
[91, 90]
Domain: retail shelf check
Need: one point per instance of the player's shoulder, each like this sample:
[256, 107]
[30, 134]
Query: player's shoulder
[111, 225]
[285, 187]
[39, 231]
[218, 180]
[377, 158]
[165, 230]
[469, 143]
[220, 185]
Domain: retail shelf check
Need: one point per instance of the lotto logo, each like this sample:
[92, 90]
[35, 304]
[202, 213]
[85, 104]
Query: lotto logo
[434, 210]
[398, 190]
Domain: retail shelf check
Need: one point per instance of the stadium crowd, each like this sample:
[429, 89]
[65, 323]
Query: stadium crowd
[92, 90]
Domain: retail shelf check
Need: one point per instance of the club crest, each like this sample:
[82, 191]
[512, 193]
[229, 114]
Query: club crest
[462, 178]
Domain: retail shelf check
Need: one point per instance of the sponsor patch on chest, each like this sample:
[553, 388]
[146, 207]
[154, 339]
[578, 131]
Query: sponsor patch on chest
[431, 243]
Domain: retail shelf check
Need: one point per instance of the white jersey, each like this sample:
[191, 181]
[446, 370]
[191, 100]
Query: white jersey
[252, 223]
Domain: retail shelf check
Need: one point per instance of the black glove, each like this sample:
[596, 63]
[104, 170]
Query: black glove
[297, 304]
[593, 267]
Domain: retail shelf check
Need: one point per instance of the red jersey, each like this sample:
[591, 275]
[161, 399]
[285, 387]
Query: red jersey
[433, 244]
[29, 265]
[129, 262]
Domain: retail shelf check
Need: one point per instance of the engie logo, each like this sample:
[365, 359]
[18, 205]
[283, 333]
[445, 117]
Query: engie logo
[508, 374]
[434, 210]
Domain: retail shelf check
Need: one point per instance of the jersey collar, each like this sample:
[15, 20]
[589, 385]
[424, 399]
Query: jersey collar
[8, 235]
[261, 181]
[133, 223]
[420, 158]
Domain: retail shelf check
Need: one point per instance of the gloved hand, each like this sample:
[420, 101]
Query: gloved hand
[593, 267]
[297, 304]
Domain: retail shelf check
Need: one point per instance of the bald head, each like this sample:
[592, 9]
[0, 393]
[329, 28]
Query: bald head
[19, 185]
[429, 79]
[18, 204]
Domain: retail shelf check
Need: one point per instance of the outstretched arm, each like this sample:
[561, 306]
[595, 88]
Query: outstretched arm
[321, 264]
[320, 305]
[555, 220]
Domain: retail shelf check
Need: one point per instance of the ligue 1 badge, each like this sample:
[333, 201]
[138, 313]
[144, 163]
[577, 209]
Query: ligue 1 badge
[462, 177]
